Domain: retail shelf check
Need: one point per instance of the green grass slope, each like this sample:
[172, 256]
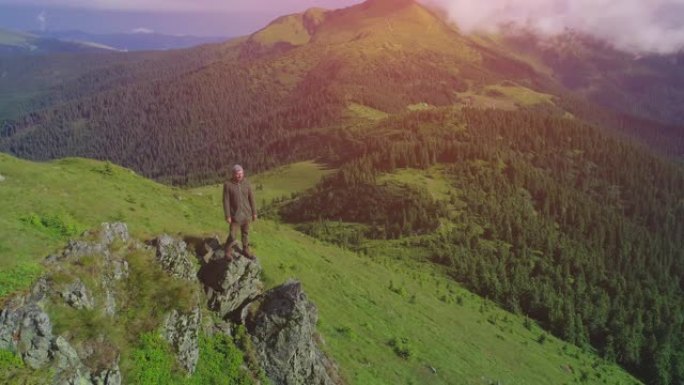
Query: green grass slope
[384, 321]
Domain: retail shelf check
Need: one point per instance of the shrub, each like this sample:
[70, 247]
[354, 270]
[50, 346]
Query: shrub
[60, 224]
[219, 363]
[541, 339]
[401, 347]
[152, 362]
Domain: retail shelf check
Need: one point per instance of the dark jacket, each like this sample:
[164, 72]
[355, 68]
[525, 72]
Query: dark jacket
[238, 200]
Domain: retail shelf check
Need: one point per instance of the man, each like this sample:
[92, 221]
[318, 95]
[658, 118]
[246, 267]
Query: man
[239, 209]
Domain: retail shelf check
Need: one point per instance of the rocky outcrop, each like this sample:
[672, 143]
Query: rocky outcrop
[182, 333]
[283, 333]
[26, 328]
[281, 322]
[174, 257]
[34, 335]
[231, 286]
[86, 276]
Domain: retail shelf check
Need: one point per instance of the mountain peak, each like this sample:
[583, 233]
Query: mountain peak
[379, 20]
[388, 5]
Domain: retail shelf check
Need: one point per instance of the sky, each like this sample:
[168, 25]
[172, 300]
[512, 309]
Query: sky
[189, 17]
[640, 26]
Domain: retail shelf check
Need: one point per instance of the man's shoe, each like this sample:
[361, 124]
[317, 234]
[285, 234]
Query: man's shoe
[228, 249]
[248, 253]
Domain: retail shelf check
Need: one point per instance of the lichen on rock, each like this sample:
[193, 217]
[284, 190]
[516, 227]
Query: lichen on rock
[174, 257]
[283, 331]
[182, 332]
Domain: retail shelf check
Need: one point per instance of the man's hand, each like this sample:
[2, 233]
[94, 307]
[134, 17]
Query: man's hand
[254, 217]
[229, 220]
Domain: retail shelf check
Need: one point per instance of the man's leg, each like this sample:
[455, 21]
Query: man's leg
[244, 229]
[232, 238]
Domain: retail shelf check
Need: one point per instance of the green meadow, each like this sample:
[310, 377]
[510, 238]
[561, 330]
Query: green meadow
[384, 320]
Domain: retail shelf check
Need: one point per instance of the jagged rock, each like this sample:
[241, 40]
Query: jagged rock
[9, 326]
[283, 334]
[64, 355]
[107, 377]
[77, 249]
[75, 376]
[35, 336]
[231, 285]
[115, 270]
[174, 257]
[81, 376]
[39, 290]
[78, 296]
[119, 269]
[109, 232]
[182, 333]
[24, 327]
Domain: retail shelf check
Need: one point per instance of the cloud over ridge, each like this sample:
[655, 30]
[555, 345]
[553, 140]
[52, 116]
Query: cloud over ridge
[640, 26]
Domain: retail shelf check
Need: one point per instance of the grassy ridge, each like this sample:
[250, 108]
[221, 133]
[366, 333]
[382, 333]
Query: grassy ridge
[277, 183]
[385, 321]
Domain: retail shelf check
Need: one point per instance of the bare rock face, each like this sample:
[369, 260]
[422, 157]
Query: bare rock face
[26, 328]
[230, 286]
[64, 355]
[35, 336]
[283, 333]
[107, 377]
[239, 286]
[78, 296]
[110, 232]
[174, 257]
[182, 332]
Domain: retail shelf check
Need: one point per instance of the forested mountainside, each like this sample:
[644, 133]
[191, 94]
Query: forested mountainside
[546, 215]
[181, 116]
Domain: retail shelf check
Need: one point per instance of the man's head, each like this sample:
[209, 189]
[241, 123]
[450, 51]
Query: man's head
[238, 172]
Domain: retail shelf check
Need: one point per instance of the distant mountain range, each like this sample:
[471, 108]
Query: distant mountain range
[13, 42]
[134, 41]
[48, 42]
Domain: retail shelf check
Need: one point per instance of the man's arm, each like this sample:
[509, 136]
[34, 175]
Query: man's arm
[226, 201]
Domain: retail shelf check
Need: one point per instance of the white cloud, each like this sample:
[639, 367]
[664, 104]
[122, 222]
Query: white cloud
[142, 30]
[42, 20]
[647, 26]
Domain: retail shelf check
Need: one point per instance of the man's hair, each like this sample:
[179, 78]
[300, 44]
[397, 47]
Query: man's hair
[237, 168]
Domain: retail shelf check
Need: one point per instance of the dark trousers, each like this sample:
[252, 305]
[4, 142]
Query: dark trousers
[244, 230]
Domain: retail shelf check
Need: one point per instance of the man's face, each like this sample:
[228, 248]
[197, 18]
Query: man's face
[238, 175]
